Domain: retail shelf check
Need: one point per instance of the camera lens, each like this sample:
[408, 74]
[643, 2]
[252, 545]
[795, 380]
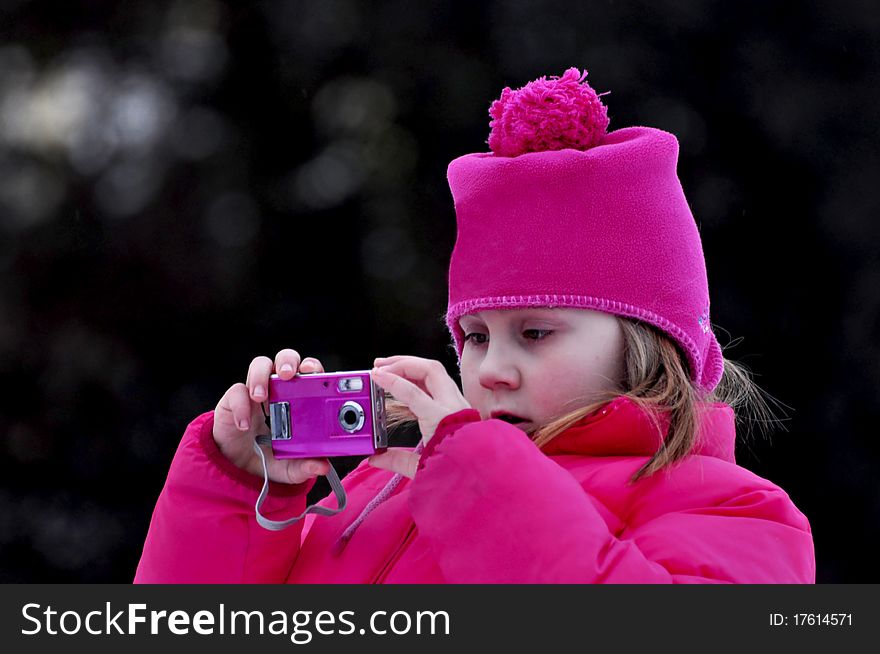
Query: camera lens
[351, 417]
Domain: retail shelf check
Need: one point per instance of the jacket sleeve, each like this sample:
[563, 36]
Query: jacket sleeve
[497, 510]
[203, 528]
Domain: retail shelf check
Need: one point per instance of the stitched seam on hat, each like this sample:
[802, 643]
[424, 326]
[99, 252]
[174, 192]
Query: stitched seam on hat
[574, 301]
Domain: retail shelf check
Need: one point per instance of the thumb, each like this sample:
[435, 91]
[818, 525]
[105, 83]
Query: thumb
[397, 460]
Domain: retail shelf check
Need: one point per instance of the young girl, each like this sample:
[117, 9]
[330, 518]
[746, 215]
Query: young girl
[593, 439]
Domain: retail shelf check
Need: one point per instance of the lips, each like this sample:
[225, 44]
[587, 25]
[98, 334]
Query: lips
[507, 417]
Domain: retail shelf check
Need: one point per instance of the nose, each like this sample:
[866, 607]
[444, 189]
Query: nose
[498, 368]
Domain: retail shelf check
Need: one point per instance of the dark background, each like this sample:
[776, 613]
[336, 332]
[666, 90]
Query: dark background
[185, 185]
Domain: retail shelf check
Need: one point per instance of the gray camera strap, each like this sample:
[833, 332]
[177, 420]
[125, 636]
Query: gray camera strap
[277, 525]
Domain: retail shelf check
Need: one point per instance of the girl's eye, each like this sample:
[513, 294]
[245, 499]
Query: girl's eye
[531, 334]
[474, 335]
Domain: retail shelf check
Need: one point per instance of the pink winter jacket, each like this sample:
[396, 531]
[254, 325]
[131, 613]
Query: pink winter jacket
[487, 506]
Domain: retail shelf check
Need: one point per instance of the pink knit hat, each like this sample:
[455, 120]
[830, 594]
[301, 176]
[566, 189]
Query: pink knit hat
[563, 214]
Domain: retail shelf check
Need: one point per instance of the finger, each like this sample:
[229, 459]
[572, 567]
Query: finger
[429, 374]
[311, 364]
[385, 360]
[300, 470]
[258, 378]
[394, 364]
[287, 363]
[396, 460]
[317, 466]
[239, 405]
[404, 390]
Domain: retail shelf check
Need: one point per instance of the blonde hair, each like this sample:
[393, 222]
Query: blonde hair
[656, 379]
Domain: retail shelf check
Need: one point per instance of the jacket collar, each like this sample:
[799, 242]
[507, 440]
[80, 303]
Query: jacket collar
[621, 428]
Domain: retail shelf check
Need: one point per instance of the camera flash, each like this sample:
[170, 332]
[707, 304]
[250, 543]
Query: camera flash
[347, 384]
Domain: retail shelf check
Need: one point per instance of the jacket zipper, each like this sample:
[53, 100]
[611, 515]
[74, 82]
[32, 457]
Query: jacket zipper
[386, 569]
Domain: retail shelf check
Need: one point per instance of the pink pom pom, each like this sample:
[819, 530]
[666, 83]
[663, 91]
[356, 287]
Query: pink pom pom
[562, 112]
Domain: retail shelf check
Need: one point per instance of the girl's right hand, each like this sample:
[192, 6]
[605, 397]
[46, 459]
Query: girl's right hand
[238, 420]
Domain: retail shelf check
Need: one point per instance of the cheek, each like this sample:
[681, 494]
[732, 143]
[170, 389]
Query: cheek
[566, 376]
[547, 384]
[470, 384]
[612, 364]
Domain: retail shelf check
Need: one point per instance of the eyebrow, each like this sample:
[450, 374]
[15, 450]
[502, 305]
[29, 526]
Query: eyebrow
[528, 312]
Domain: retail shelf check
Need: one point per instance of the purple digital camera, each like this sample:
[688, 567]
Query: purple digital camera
[326, 414]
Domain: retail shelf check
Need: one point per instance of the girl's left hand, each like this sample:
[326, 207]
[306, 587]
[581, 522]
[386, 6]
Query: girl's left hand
[424, 386]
